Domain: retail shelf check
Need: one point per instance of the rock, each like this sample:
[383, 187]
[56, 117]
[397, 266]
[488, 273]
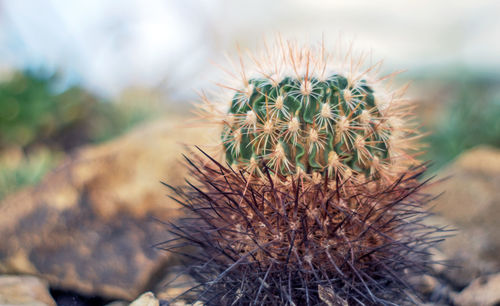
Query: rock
[471, 204]
[483, 291]
[146, 299]
[89, 226]
[24, 290]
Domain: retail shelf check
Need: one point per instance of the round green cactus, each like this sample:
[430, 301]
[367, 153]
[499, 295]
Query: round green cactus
[303, 114]
[305, 125]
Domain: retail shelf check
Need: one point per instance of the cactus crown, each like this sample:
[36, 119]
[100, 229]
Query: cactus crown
[307, 114]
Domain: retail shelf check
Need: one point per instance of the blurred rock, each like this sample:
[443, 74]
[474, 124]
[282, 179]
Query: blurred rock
[471, 204]
[146, 299]
[484, 291]
[89, 227]
[24, 290]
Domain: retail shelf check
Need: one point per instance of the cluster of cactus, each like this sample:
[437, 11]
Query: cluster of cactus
[318, 199]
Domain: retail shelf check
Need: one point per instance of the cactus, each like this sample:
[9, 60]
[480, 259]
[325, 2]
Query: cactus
[305, 124]
[319, 200]
[304, 116]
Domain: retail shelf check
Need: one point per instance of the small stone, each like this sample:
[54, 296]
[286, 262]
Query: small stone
[484, 291]
[146, 299]
[24, 290]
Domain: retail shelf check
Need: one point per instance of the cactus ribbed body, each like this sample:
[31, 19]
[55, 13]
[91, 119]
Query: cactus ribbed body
[331, 125]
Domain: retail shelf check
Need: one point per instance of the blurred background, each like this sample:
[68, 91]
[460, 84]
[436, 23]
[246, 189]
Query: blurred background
[92, 93]
[85, 71]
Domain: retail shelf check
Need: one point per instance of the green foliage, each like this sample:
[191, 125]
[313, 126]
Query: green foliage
[33, 113]
[471, 118]
[307, 124]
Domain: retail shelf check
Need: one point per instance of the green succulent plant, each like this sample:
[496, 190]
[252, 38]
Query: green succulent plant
[306, 125]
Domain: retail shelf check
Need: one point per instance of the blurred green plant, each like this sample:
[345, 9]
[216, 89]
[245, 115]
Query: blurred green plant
[20, 169]
[470, 118]
[34, 114]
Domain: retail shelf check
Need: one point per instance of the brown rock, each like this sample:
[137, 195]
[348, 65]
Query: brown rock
[24, 290]
[89, 225]
[471, 204]
[483, 291]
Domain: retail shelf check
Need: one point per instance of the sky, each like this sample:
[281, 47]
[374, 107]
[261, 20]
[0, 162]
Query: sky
[109, 45]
